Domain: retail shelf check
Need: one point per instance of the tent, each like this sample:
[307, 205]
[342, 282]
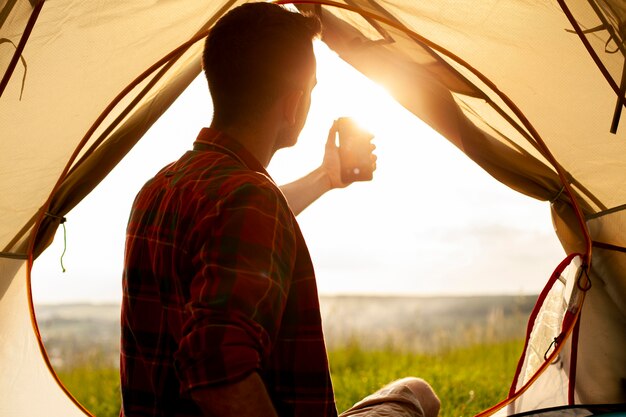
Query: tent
[530, 90]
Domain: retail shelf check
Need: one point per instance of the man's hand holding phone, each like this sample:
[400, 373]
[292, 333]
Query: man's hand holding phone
[353, 159]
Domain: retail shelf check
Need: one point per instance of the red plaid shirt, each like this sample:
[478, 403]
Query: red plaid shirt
[218, 283]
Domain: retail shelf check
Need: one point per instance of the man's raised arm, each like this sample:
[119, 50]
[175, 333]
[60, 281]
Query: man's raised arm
[304, 191]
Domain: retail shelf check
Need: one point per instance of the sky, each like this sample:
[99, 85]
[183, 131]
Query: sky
[431, 222]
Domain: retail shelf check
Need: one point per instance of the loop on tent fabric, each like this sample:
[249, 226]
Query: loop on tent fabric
[587, 287]
[601, 28]
[62, 221]
[555, 342]
[556, 197]
[21, 57]
[615, 50]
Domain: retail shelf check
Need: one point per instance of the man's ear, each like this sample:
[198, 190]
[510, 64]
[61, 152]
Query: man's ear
[291, 102]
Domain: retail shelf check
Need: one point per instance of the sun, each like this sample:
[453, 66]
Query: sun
[340, 92]
[350, 93]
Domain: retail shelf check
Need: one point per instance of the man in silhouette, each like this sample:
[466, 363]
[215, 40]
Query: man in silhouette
[220, 315]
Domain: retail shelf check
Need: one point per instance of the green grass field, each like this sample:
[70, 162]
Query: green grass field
[467, 380]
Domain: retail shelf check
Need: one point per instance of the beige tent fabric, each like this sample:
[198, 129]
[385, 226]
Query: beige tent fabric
[604, 318]
[28, 387]
[81, 55]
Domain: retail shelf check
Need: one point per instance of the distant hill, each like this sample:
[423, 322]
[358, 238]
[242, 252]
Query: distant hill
[425, 324]
[75, 332]
[80, 332]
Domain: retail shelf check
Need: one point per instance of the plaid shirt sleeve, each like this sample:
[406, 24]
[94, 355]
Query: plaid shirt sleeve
[243, 254]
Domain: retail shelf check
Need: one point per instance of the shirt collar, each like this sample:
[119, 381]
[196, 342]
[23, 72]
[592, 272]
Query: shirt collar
[210, 136]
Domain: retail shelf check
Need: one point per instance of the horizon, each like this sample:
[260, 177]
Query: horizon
[321, 296]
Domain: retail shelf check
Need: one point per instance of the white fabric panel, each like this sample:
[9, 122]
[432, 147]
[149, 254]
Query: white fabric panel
[550, 390]
[552, 386]
[27, 387]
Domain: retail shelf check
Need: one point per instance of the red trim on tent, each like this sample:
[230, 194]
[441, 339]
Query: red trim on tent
[571, 393]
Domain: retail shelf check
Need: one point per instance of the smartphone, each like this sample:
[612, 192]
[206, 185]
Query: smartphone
[355, 151]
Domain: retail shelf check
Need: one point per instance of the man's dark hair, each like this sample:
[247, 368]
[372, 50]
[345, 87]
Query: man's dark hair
[253, 54]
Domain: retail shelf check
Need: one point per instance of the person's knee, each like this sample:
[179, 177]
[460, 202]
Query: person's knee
[425, 394]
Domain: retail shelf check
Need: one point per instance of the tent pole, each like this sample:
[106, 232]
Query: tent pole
[620, 101]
